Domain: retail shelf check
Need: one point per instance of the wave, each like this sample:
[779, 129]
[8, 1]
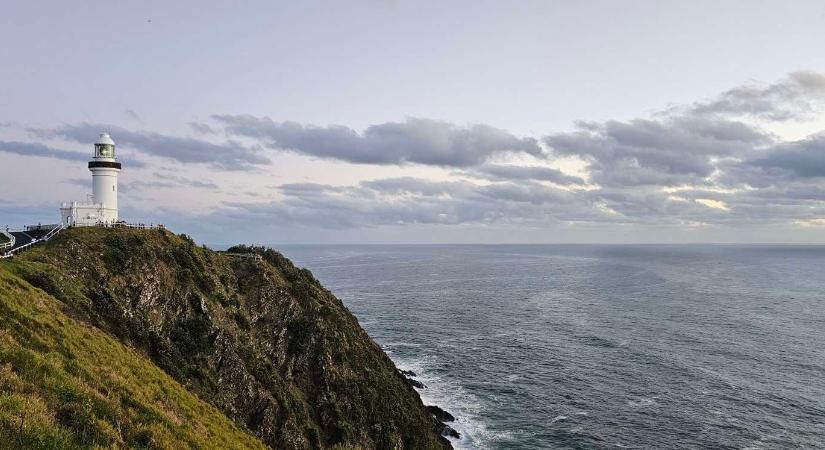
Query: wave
[453, 398]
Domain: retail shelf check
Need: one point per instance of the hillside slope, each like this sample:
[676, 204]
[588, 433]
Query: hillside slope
[261, 340]
[64, 384]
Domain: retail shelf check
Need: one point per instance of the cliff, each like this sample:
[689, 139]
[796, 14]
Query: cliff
[258, 338]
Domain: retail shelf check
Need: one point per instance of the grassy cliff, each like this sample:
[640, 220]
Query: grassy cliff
[258, 338]
[65, 384]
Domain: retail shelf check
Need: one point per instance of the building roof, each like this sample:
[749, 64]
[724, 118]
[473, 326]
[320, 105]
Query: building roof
[105, 139]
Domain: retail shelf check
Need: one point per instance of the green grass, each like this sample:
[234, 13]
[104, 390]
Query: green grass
[66, 384]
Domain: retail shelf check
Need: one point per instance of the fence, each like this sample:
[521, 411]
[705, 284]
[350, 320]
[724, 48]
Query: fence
[140, 226]
[9, 253]
[254, 256]
[9, 244]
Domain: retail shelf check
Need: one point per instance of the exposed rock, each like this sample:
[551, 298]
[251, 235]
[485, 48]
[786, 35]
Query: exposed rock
[448, 431]
[407, 376]
[440, 414]
[415, 383]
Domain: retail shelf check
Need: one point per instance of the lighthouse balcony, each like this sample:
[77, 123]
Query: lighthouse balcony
[81, 205]
[104, 165]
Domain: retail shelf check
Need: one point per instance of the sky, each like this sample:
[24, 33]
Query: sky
[424, 122]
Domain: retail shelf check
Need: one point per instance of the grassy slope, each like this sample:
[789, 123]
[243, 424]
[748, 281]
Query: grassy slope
[262, 341]
[65, 384]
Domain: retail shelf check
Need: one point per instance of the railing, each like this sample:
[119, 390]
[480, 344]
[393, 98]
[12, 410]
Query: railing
[13, 252]
[7, 250]
[141, 226]
[9, 244]
[52, 233]
[254, 256]
[40, 227]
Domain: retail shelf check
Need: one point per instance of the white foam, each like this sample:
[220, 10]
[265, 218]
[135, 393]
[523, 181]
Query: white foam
[642, 402]
[453, 398]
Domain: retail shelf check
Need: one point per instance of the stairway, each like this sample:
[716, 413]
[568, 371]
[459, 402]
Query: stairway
[21, 240]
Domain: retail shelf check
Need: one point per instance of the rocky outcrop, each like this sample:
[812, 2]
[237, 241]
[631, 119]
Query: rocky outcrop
[258, 338]
[440, 414]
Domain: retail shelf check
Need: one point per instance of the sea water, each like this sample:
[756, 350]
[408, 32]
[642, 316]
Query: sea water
[599, 346]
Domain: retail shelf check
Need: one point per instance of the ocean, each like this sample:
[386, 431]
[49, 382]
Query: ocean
[594, 346]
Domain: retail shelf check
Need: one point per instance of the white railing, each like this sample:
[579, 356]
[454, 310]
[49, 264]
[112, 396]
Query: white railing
[140, 226]
[9, 244]
[52, 233]
[254, 256]
[7, 250]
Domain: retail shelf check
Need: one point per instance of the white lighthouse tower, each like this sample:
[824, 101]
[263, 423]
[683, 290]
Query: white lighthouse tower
[102, 209]
[105, 167]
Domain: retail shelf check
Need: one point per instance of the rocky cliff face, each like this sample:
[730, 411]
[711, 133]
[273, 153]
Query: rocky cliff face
[258, 338]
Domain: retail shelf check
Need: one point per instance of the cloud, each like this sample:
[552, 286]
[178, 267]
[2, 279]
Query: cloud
[524, 173]
[657, 152]
[407, 200]
[805, 158]
[35, 149]
[417, 141]
[230, 155]
[201, 128]
[16, 215]
[183, 181]
[706, 164]
[142, 185]
[78, 181]
[797, 96]
[132, 115]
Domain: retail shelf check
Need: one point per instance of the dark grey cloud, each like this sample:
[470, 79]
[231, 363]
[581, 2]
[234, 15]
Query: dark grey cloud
[160, 181]
[201, 128]
[525, 173]
[795, 97]
[418, 141]
[230, 155]
[805, 158]
[657, 152]
[132, 115]
[35, 149]
[406, 200]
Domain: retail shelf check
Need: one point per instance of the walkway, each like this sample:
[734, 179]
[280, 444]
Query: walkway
[23, 239]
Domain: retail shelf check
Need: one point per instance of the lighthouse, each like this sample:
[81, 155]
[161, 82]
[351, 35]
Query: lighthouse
[101, 208]
[105, 167]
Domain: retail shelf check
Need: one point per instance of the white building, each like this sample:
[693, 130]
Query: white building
[102, 207]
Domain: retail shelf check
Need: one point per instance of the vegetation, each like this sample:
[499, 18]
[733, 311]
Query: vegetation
[258, 338]
[64, 384]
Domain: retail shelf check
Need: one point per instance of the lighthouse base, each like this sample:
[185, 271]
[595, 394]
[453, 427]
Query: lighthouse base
[86, 214]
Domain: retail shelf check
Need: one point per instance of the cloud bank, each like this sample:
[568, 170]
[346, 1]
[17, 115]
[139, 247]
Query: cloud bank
[229, 155]
[709, 163]
[416, 140]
